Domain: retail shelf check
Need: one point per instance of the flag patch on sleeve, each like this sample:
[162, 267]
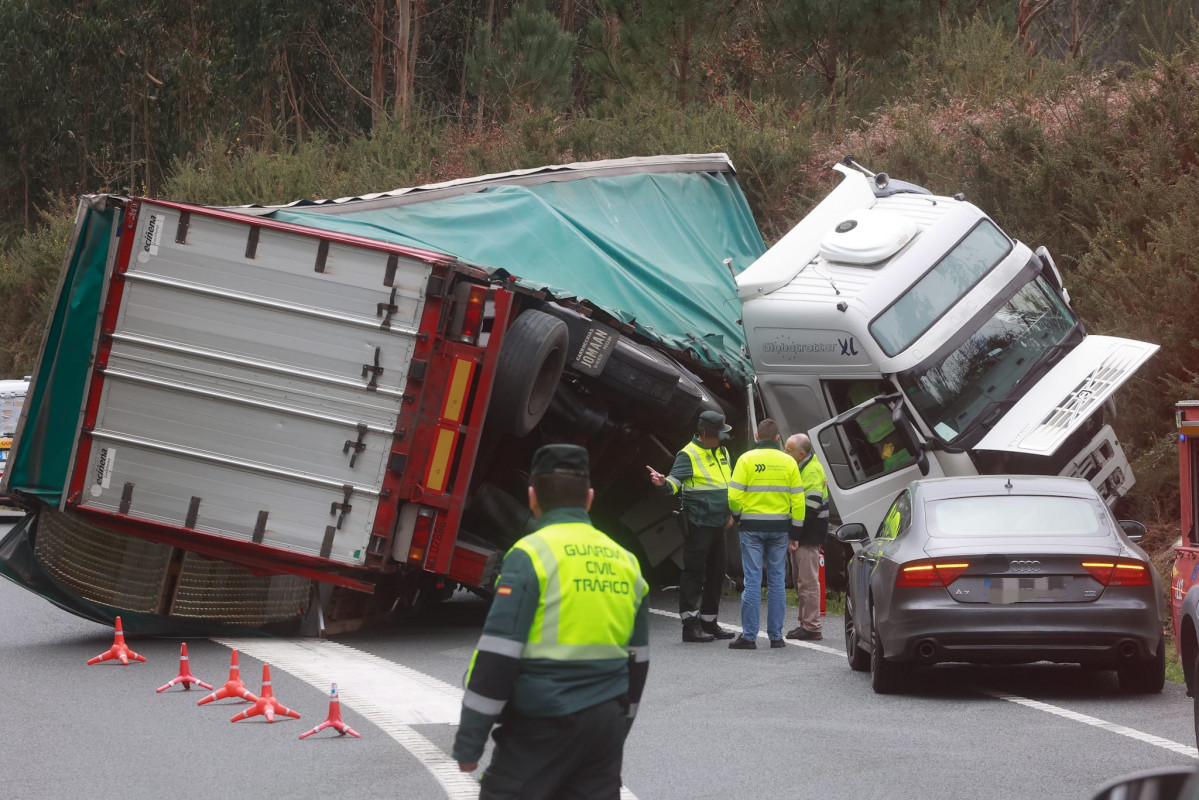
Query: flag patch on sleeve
[504, 590]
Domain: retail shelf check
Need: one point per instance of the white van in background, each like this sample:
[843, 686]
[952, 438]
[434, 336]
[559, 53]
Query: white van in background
[12, 399]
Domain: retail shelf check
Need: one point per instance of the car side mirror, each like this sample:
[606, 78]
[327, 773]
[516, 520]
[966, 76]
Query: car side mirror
[852, 532]
[1132, 529]
[1164, 783]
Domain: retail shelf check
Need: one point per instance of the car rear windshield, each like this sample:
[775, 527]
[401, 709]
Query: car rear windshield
[1014, 515]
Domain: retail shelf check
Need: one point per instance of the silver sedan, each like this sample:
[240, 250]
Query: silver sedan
[1002, 570]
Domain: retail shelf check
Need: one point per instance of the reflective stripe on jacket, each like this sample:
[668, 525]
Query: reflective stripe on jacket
[766, 492]
[702, 476]
[590, 591]
[815, 526]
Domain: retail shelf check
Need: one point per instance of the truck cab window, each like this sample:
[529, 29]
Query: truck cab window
[939, 289]
[984, 372]
[864, 448]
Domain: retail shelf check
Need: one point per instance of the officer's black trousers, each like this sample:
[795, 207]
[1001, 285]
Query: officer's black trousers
[575, 757]
[703, 571]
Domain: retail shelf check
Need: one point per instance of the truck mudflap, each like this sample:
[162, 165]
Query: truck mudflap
[157, 590]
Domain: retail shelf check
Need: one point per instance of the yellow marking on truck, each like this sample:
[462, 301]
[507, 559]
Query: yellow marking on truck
[439, 465]
[455, 398]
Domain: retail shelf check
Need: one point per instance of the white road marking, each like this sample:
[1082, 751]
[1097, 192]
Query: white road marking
[761, 634]
[392, 696]
[1073, 716]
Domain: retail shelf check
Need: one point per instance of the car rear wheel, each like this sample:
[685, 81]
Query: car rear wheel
[859, 659]
[886, 677]
[1195, 697]
[1145, 677]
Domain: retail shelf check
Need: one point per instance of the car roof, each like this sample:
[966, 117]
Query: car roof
[975, 485]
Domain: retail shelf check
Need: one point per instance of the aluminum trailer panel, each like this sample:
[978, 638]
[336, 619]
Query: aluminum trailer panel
[249, 380]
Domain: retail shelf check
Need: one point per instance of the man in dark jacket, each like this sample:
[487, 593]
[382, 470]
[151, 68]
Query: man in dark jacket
[805, 553]
[700, 474]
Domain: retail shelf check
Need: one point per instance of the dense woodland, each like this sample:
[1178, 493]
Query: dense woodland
[1075, 123]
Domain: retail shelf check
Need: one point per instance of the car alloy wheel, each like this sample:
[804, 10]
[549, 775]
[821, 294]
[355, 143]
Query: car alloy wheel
[859, 659]
[886, 677]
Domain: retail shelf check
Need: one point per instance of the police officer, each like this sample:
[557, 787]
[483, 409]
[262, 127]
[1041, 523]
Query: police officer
[766, 495]
[564, 653]
[805, 551]
[700, 473]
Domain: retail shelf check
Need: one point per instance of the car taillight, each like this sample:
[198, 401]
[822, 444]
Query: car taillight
[472, 318]
[930, 573]
[1119, 573]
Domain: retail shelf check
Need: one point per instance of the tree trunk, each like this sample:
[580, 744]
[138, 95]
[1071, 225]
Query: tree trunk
[377, 112]
[418, 11]
[1027, 12]
[684, 56]
[568, 15]
[1075, 30]
[403, 26]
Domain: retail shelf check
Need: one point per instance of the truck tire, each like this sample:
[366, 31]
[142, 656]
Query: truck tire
[527, 372]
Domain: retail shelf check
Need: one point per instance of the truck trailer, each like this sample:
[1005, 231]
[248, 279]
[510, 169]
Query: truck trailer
[324, 412]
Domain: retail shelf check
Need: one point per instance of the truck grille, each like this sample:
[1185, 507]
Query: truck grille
[131, 574]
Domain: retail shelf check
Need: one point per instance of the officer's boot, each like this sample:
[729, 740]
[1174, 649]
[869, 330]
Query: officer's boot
[694, 632]
[710, 626]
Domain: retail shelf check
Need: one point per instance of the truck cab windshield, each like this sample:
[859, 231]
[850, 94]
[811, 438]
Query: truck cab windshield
[984, 371]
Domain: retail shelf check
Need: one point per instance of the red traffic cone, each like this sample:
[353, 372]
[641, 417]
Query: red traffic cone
[334, 720]
[232, 688]
[118, 650]
[265, 704]
[185, 674]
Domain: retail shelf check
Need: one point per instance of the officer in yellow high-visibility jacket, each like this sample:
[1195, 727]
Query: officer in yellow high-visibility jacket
[700, 477]
[564, 653]
[766, 496]
[805, 552]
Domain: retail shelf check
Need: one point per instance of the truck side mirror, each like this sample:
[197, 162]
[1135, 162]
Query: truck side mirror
[908, 430]
[852, 532]
[1132, 529]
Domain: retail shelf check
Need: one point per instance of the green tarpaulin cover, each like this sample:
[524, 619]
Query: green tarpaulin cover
[648, 249]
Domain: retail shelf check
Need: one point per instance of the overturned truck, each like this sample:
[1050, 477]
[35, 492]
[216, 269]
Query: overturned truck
[321, 413]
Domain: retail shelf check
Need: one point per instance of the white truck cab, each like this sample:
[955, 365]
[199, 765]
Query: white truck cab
[910, 335]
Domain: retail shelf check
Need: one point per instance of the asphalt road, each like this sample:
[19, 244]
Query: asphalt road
[715, 723]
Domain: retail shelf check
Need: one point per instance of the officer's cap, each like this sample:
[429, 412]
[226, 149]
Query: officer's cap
[712, 423]
[562, 459]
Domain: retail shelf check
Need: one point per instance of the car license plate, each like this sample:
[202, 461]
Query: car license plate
[1024, 590]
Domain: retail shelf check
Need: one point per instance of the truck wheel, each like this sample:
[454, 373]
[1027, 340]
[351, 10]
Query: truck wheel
[527, 372]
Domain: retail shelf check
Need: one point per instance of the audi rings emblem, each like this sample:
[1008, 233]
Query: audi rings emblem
[1025, 566]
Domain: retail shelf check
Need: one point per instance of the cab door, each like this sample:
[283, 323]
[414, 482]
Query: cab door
[870, 454]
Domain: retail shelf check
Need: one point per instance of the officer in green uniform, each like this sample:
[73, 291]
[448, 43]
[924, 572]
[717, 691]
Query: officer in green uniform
[564, 653]
[700, 474]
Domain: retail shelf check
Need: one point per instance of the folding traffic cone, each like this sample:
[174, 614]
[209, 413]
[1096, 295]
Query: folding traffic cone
[232, 688]
[118, 650]
[185, 674]
[334, 720]
[266, 704]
